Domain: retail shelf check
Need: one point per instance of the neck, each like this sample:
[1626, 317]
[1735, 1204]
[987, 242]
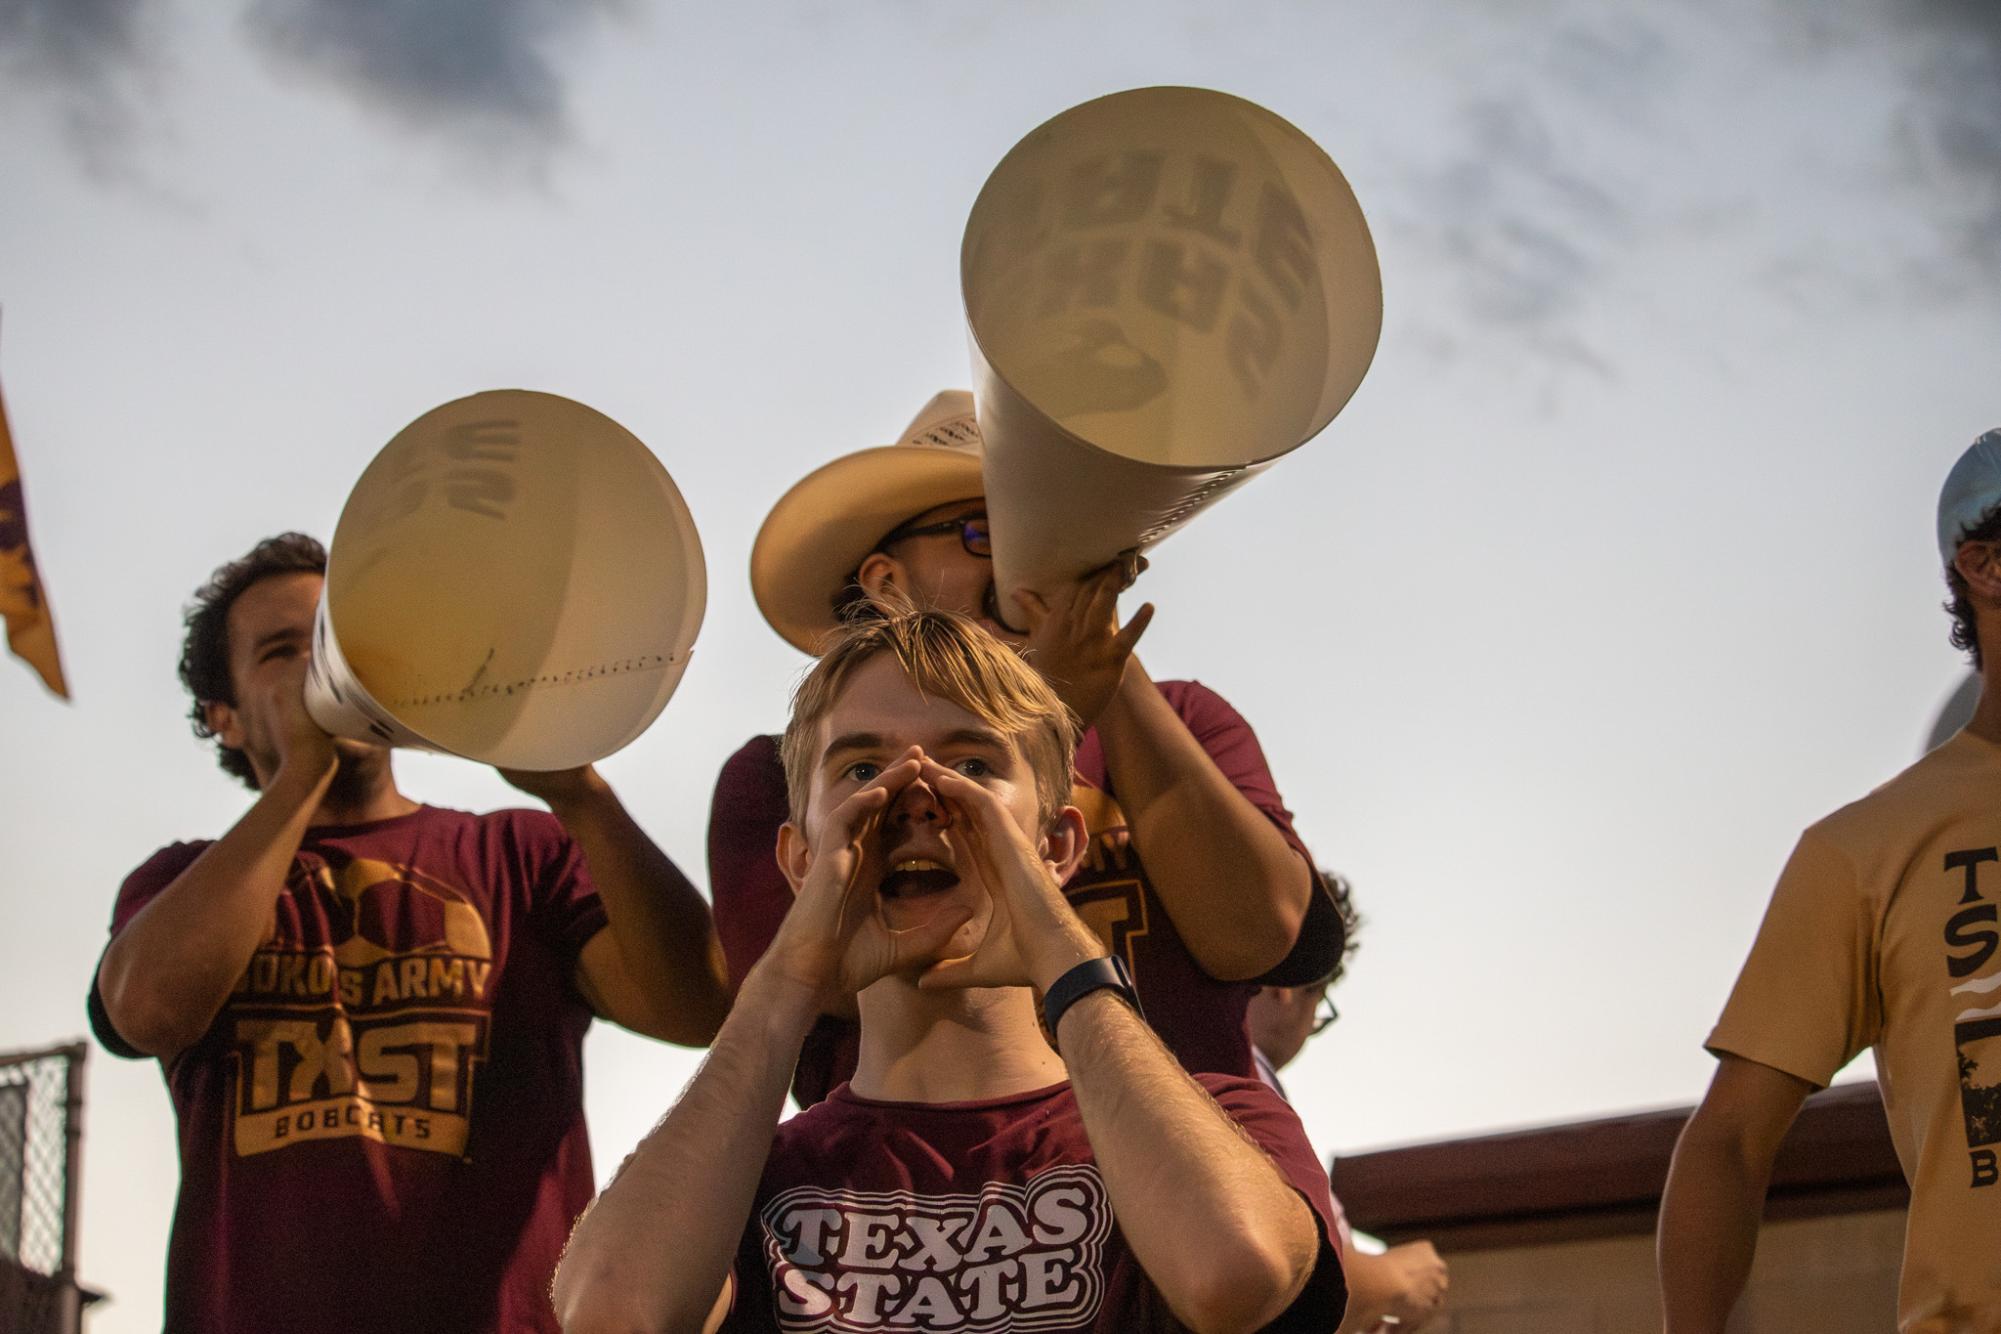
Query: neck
[363, 790]
[1986, 721]
[951, 1046]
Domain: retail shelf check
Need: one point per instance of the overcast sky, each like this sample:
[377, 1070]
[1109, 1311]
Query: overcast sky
[1616, 573]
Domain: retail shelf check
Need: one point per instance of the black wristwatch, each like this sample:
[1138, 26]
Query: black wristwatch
[1087, 977]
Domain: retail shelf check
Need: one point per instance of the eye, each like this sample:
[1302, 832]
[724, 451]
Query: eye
[277, 651]
[861, 771]
[973, 767]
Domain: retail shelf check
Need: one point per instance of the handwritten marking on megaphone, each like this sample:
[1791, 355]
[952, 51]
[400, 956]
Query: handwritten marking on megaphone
[515, 579]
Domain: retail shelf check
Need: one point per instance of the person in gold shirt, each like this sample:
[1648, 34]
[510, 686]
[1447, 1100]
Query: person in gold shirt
[1884, 932]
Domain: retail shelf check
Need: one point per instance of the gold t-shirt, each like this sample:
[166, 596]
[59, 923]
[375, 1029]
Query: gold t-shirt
[1883, 933]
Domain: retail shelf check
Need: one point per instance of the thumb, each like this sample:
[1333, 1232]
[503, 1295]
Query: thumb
[924, 942]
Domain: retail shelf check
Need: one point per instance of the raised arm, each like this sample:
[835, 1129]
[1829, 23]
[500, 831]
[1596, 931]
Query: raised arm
[657, 968]
[165, 976]
[1220, 1233]
[1715, 1192]
[654, 1251]
[1224, 1238]
[1237, 891]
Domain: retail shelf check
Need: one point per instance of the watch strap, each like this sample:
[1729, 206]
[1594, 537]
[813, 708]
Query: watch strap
[1105, 973]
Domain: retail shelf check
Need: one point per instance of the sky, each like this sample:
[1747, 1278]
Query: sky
[1616, 573]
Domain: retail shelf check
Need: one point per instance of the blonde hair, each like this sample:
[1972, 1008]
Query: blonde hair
[950, 656]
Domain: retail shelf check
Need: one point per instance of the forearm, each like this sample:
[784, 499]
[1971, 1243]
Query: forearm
[1222, 1235]
[1710, 1212]
[169, 971]
[1236, 889]
[658, 920]
[654, 1250]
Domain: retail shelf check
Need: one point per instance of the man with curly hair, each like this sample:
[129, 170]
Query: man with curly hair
[370, 1012]
[1884, 932]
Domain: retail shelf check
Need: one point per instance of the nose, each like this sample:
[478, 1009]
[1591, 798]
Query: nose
[917, 805]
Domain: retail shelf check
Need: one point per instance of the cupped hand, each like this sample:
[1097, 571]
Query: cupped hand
[834, 942]
[1075, 642]
[301, 743]
[1421, 1283]
[1031, 936]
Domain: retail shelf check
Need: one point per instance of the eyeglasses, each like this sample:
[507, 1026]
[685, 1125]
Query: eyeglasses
[972, 530]
[1323, 1014]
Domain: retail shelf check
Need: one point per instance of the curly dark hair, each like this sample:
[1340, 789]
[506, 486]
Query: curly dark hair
[1965, 636]
[205, 651]
[1351, 921]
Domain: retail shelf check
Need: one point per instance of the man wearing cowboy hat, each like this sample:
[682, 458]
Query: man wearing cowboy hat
[1194, 873]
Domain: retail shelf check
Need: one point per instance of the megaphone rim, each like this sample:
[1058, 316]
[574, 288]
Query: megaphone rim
[601, 431]
[999, 371]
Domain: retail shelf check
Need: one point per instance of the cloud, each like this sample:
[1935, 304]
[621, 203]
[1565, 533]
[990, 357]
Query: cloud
[1840, 156]
[1949, 128]
[484, 72]
[84, 57]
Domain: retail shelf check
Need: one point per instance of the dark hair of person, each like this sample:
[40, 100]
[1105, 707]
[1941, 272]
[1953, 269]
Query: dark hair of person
[1964, 634]
[205, 650]
[852, 602]
[1351, 921]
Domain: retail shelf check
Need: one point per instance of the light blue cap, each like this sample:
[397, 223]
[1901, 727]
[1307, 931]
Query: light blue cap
[1972, 492]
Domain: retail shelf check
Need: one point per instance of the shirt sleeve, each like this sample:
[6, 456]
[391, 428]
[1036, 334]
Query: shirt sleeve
[1807, 1001]
[563, 900]
[750, 892]
[1234, 748]
[140, 888]
[1274, 1127]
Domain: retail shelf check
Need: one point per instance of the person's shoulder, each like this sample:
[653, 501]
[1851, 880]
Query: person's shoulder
[760, 752]
[180, 850]
[1916, 795]
[756, 766]
[167, 862]
[1233, 1091]
[1197, 703]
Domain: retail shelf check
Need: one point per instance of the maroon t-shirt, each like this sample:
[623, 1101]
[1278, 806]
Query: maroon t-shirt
[897, 1217]
[1199, 1017]
[383, 1129]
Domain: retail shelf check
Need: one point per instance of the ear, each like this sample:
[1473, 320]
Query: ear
[222, 720]
[880, 571]
[793, 854]
[1065, 842]
[1979, 564]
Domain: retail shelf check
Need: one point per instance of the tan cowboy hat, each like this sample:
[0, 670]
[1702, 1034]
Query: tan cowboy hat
[821, 530]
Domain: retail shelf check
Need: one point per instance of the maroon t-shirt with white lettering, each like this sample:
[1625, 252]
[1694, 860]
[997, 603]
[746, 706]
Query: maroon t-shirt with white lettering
[898, 1217]
[383, 1129]
[1199, 1017]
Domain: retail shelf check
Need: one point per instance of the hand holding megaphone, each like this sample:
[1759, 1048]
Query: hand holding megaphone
[514, 579]
[1167, 289]
[1075, 640]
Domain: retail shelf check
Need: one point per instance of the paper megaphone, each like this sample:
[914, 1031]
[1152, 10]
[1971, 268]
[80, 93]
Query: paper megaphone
[514, 579]
[1167, 289]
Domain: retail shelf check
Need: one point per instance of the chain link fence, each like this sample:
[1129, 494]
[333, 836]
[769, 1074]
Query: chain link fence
[41, 1125]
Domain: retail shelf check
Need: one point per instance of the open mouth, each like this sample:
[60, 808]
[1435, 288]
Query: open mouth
[916, 878]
